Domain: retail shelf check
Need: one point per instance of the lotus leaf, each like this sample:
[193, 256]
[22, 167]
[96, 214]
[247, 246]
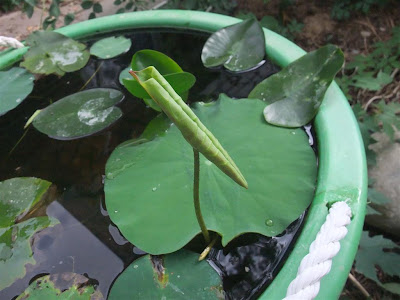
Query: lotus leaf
[238, 47]
[179, 80]
[175, 276]
[296, 92]
[80, 114]
[18, 196]
[149, 185]
[51, 52]
[15, 85]
[110, 47]
[61, 286]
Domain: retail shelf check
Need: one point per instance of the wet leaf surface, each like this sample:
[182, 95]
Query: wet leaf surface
[80, 114]
[238, 47]
[294, 95]
[149, 186]
[15, 85]
[51, 52]
[18, 196]
[61, 286]
[110, 47]
[174, 276]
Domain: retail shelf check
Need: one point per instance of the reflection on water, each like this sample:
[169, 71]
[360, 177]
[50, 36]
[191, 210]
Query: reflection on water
[85, 241]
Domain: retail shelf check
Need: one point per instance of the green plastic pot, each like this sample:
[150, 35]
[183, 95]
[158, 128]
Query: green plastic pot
[342, 173]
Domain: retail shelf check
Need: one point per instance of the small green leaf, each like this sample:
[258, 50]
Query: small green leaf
[15, 248]
[69, 18]
[120, 11]
[92, 15]
[52, 52]
[97, 8]
[371, 254]
[87, 4]
[388, 116]
[163, 63]
[18, 196]
[178, 276]
[80, 114]
[15, 85]
[238, 47]
[54, 9]
[367, 81]
[159, 217]
[180, 81]
[296, 92]
[62, 286]
[110, 47]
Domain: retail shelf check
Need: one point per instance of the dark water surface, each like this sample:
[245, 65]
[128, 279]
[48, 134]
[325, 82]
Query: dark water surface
[86, 241]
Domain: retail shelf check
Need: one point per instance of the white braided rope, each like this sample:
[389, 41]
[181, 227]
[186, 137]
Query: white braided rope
[317, 263]
[10, 42]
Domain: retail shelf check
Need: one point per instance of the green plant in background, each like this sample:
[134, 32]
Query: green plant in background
[218, 6]
[343, 9]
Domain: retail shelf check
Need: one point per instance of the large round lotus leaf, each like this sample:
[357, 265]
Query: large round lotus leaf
[110, 47]
[238, 47]
[52, 52]
[294, 95]
[163, 63]
[174, 276]
[18, 196]
[61, 286]
[15, 85]
[80, 114]
[149, 186]
[15, 248]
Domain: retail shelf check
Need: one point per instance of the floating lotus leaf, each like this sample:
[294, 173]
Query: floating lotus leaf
[15, 85]
[178, 276]
[51, 52]
[61, 286]
[149, 186]
[238, 47]
[296, 92]
[80, 114]
[18, 196]
[15, 248]
[110, 47]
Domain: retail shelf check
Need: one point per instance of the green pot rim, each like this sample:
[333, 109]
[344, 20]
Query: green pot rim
[342, 174]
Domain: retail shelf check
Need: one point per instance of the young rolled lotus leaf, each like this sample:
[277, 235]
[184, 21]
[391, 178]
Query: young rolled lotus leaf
[173, 73]
[17, 198]
[178, 275]
[15, 85]
[195, 133]
[51, 52]
[238, 47]
[110, 47]
[61, 286]
[294, 95]
[80, 114]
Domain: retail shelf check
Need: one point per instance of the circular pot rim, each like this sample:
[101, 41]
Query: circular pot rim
[342, 171]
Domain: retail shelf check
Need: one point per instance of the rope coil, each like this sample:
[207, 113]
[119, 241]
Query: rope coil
[10, 42]
[317, 263]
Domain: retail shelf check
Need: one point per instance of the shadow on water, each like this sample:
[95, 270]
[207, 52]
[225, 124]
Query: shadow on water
[85, 241]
